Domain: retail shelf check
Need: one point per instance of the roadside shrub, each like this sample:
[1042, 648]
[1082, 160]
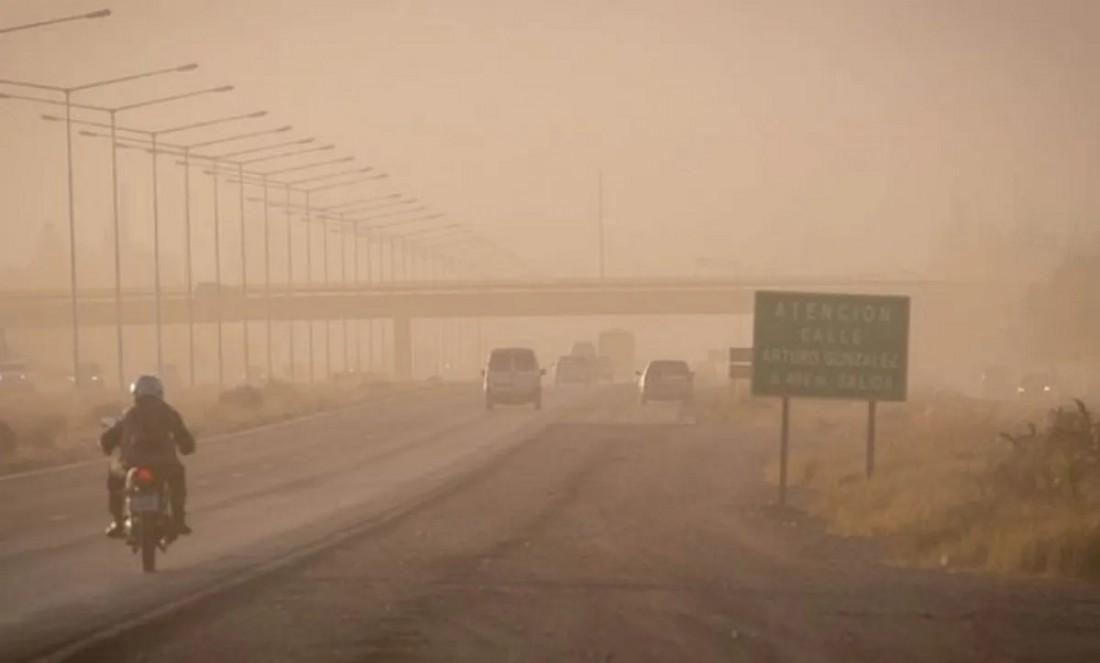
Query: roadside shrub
[42, 431]
[951, 491]
[1055, 464]
[245, 396]
[8, 440]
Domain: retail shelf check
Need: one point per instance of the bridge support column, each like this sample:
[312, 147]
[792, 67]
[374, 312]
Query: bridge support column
[402, 348]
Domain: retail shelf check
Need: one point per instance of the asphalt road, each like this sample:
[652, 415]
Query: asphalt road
[596, 531]
[257, 498]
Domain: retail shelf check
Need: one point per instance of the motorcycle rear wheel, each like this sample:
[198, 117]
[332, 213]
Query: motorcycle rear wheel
[148, 548]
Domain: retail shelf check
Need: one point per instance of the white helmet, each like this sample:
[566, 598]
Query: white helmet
[147, 385]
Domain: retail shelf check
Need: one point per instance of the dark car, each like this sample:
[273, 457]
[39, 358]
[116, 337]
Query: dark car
[15, 376]
[88, 376]
[666, 380]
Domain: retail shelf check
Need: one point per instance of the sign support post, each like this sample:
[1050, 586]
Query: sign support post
[784, 446]
[871, 407]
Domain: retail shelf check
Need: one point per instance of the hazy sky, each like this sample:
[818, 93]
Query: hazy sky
[789, 137]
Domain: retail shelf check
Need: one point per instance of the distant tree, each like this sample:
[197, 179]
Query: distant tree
[1062, 315]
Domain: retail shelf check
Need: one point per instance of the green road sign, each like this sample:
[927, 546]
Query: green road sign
[817, 345]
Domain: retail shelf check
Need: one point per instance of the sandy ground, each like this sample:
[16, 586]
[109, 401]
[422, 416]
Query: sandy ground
[621, 536]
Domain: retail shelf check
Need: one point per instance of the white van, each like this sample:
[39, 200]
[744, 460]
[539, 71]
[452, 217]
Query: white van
[513, 376]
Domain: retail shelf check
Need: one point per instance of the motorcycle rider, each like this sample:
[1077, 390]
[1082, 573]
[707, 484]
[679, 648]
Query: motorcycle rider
[148, 435]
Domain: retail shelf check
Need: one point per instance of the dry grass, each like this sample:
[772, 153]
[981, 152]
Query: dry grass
[44, 429]
[949, 489]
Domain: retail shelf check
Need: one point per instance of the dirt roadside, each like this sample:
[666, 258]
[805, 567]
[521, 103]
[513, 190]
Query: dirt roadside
[625, 538]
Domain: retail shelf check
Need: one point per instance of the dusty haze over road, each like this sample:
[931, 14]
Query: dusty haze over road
[842, 138]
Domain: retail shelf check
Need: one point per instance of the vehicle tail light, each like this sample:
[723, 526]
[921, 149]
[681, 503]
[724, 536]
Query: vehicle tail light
[145, 476]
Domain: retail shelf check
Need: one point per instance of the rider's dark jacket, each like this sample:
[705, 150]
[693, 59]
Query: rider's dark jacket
[148, 435]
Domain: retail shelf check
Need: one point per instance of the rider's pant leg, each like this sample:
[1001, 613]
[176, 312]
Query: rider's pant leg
[177, 491]
[116, 494]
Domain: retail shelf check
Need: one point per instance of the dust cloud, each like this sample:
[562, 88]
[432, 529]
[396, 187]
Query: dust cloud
[940, 149]
[458, 298]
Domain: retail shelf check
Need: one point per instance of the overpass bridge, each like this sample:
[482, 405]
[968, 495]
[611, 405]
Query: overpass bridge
[402, 303]
[206, 304]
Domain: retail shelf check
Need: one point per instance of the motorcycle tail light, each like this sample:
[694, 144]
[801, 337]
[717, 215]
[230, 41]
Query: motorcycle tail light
[145, 476]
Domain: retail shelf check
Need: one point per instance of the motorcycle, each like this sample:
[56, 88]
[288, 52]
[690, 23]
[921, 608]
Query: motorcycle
[149, 523]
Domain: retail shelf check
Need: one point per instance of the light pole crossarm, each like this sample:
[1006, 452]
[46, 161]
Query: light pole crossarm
[325, 176]
[148, 132]
[387, 215]
[53, 102]
[251, 134]
[102, 83]
[362, 201]
[315, 208]
[102, 13]
[138, 144]
[283, 155]
[207, 123]
[33, 86]
[98, 125]
[375, 206]
[401, 222]
[262, 148]
[257, 177]
[133, 77]
[175, 97]
[336, 185]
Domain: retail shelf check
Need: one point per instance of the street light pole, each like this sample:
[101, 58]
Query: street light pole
[154, 137]
[309, 284]
[156, 265]
[289, 186]
[244, 278]
[267, 281]
[290, 281]
[188, 154]
[358, 290]
[118, 256]
[72, 236]
[187, 265]
[218, 285]
[324, 273]
[344, 287]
